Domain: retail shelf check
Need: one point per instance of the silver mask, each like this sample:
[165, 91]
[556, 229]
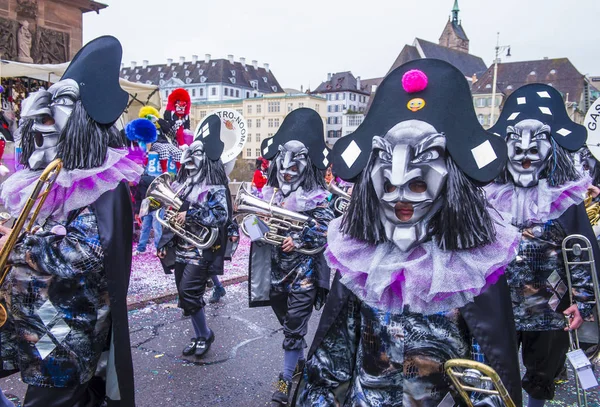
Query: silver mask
[529, 147]
[50, 109]
[192, 161]
[291, 166]
[408, 175]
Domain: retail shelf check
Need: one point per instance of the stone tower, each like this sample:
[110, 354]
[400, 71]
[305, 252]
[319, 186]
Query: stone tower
[453, 35]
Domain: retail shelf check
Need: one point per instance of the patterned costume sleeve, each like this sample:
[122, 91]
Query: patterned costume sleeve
[315, 235]
[79, 251]
[330, 369]
[211, 212]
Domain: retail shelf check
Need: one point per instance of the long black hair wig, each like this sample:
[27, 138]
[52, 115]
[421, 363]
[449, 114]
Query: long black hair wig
[313, 177]
[462, 222]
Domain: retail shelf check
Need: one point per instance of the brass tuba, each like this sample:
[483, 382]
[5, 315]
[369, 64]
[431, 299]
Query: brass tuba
[341, 199]
[161, 195]
[592, 209]
[36, 199]
[476, 377]
[277, 218]
[581, 245]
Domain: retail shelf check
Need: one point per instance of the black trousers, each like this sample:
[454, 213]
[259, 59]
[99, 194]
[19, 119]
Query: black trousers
[191, 284]
[293, 310]
[90, 394]
[543, 356]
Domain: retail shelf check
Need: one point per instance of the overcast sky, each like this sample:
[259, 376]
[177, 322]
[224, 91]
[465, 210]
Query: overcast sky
[304, 40]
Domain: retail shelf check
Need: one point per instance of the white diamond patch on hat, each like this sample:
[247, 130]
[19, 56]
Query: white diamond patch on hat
[325, 162]
[269, 142]
[545, 110]
[544, 94]
[521, 100]
[564, 132]
[205, 132]
[351, 153]
[484, 154]
[513, 116]
[325, 152]
[265, 150]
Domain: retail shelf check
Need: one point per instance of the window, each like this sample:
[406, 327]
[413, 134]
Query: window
[193, 92]
[480, 102]
[201, 91]
[249, 138]
[343, 97]
[258, 123]
[213, 91]
[276, 123]
[330, 108]
[273, 107]
[249, 123]
[203, 114]
[317, 107]
[339, 133]
[290, 107]
[240, 111]
[331, 134]
[270, 135]
[329, 96]
[300, 104]
[258, 110]
[354, 120]
[254, 84]
[249, 109]
[237, 93]
[248, 152]
[353, 96]
[270, 123]
[337, 96]
[247, 95]
[258, 152]
[258, 137]
[226, 92]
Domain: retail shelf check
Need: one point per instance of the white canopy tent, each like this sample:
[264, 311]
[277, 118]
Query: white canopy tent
[139, 94]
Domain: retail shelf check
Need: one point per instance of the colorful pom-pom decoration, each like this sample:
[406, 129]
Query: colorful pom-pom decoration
[1, 89]
[414, 81]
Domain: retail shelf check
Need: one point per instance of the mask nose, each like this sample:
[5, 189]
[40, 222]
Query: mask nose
[287, 160]
[401, 172]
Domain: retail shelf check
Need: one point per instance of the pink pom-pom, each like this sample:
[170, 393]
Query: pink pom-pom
[414, 81]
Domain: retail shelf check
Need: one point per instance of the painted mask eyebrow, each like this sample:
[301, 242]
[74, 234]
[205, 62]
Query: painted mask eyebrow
[433, 141]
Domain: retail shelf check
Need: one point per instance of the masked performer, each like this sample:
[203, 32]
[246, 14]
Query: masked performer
[68, 284]
[281, 276]
[543, 193]
[177, 116]
[166, 148]
[419, 257]
[207, 203]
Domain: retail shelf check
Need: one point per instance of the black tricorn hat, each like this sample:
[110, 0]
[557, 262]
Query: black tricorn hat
[209, 133]
[306, 126]
[96, 68]
[435, 92]
[544, 103]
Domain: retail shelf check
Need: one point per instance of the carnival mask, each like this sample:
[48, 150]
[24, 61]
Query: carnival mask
[529, 147]
[408, 175]
[50, 110]
[180, 107]
[291, 165]
[588, 162]
[192, 161]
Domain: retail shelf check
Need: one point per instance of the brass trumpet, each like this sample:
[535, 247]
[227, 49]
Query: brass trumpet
[277, 218]
[161, 195]
[39, 195]
[476, 377]
[341, 199]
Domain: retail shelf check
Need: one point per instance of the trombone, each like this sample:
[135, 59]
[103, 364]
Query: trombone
[476, 377]
[581, 245]
[39, 195]
[341, 199]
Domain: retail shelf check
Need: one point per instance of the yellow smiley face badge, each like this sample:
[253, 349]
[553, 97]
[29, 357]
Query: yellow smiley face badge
[415, 104]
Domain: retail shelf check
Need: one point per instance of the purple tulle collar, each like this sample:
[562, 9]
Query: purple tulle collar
[537, 204]
[425, 278]
[73, 189]
[298, 200]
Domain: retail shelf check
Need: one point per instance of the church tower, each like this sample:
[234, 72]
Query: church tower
[453, 35]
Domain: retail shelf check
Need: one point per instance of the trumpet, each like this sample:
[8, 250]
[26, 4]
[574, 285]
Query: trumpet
[341, 199]
[476, 377]
[277, 219]
[581, 246]
[38, 196]
[161, 195]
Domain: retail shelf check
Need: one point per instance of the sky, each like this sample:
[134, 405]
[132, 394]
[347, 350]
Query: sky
[304, 40]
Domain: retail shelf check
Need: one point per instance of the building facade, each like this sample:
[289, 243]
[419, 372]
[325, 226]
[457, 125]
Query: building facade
[347, 100]
[207, 80]
[264, 114]
[43, 31]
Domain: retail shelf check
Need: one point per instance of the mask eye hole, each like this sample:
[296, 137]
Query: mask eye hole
[389, 187]
[294, 168]
[518, 150]
[533, 150]
[418, 186]
[47, 120]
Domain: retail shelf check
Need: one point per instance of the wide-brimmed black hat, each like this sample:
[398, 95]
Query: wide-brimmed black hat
[304, 125]
[95, 68]
[434, 92]
[544, 103]
[209, 133]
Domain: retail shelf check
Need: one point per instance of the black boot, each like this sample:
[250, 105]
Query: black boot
[203, 344]
[282, 392]
[191, 347]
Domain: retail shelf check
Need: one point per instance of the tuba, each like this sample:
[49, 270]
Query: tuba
[36, 199]
[476, 377]
[592, 209]
[341, 199]
[580, 246]
[277, 219]
[161, 195]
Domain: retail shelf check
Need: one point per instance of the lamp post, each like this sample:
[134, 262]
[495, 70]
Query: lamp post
[499, 48]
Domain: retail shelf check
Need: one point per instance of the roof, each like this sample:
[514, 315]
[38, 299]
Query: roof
[559, 73]
[408, 53]
[215, 71]
[459, 31]
[341, 82]
[369, 83]
[86, 5]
